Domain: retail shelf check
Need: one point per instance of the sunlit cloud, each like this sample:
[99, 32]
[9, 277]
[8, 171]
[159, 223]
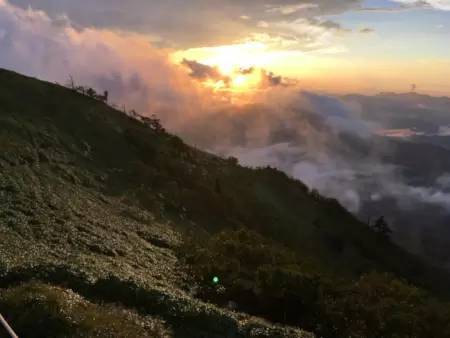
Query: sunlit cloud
[184, 24]
[298, 44]
[437, 4]
[292, 9]
[137, 75]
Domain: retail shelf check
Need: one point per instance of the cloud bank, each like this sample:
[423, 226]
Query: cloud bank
[181, 24]
[436, 4]
[135, 73]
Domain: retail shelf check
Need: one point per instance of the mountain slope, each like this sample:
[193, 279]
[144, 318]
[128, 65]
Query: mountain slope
[98, 202]
[67, 220]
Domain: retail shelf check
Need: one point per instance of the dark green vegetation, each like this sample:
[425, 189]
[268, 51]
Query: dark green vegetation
[263, 278]
[95, 206]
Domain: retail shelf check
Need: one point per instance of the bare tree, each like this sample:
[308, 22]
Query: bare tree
[71, 83]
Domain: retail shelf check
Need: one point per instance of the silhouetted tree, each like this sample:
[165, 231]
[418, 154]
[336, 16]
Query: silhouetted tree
[316, 195]
[71, 83]
[381, 227]
[91, 92]
[154, 123]
[233, 160]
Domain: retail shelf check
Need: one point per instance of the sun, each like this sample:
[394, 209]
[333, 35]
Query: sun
[247, 80]
[228, 58]
[240, 64]
[240, 81]
[236, 82]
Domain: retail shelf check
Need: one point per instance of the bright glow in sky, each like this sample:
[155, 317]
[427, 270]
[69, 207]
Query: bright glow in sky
[384, 47]
[338, 46]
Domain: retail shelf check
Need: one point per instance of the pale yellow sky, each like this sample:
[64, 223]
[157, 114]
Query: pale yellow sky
[330, 70]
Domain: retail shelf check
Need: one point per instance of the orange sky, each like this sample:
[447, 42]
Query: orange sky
[362, 46]
[332, 72]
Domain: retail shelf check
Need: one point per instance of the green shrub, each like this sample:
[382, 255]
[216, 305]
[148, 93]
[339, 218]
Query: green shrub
[265, 279]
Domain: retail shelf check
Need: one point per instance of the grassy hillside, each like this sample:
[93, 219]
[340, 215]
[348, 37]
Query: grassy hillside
[95, 205]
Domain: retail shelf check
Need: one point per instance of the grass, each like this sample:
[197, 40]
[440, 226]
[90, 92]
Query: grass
[40, 310]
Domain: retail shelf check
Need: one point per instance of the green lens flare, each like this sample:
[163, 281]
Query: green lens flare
[216, 280]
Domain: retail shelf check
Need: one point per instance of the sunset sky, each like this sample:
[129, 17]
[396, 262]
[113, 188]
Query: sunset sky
[336, 46]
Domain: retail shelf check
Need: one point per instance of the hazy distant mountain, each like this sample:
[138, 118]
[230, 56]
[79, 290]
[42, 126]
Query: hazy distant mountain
[421, 113]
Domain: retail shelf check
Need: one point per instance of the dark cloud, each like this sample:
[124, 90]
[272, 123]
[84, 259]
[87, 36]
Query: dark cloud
[329, 24]
[202, 72]
[247, 71]
[274, 80]
[270, 79]
[366, 30]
